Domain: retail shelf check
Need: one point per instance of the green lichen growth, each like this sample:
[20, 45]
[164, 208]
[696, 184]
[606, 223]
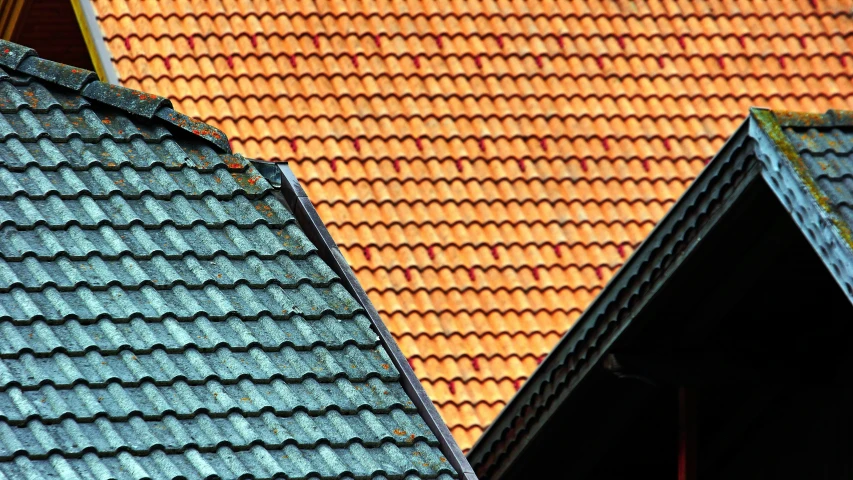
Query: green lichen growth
[770, 123]
[844, 230]
[800, 119]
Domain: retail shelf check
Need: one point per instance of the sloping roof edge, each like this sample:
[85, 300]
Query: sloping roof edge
[678, 233]
[18, 59]
[85, 83]
[315, 229]
[779, 164]
[784, 172]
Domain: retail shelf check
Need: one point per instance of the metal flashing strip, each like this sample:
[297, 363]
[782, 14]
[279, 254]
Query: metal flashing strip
[101, 58]
[270, 171]
[666, 247]
[316, 231]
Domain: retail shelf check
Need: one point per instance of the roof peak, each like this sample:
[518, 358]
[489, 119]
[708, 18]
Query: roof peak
[25, 60]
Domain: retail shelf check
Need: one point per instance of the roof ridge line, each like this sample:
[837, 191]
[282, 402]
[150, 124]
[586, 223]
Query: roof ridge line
[788, 118]
[85, 83]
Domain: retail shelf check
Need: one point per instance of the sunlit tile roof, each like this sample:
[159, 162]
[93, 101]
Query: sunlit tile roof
[486, 166]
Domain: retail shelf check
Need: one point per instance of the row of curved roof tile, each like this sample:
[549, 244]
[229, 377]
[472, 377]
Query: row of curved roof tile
[484, 166]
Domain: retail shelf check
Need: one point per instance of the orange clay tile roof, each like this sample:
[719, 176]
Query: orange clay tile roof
[485, 165]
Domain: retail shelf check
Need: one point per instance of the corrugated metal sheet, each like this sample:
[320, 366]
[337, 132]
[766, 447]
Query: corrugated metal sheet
[162, 314]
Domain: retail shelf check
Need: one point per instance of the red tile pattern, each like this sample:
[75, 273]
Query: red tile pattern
[485, 165]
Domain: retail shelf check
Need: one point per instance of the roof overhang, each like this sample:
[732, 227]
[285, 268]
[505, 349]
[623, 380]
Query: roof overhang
[11, 12]
[758, 151]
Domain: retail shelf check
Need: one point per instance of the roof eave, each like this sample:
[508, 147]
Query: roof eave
[708, 198]
[314, 228]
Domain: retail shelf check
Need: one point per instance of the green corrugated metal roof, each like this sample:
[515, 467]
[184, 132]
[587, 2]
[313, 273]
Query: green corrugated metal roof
[163, 314]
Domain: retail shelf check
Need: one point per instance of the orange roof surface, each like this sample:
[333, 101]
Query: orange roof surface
[485, 165]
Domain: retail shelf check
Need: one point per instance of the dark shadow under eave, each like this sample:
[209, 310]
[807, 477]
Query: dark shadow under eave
[756, 328]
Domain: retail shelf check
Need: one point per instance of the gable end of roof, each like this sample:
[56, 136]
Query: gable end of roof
[804, 159]
[716, 188]
[790, 175]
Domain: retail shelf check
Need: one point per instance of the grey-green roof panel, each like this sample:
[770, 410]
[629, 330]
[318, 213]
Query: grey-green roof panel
[825, 148]
[162, 313]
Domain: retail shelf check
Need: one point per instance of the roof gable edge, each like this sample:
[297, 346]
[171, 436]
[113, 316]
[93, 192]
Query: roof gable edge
[704, 202]
[315, 229]
[787, 177]
[98, 52]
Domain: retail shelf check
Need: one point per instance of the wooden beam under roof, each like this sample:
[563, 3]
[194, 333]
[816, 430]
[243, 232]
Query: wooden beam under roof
[11, 12]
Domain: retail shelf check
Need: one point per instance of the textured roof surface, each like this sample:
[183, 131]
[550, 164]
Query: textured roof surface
[824, 143]
[486, 166]
[819, 149]
[805, 159]
[162, 313]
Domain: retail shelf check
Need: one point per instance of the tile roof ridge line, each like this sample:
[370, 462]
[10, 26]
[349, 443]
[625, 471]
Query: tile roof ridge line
[788, 118]
[310, 221]
[85, 83]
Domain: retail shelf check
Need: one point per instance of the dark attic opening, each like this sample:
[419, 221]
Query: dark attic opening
[739, 368]
[50, 27]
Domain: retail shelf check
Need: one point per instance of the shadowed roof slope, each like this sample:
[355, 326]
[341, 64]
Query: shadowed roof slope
[806, 160]
[485, 166]
[164, 315]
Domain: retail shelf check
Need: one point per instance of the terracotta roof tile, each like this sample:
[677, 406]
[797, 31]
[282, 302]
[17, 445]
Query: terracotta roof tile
[485, 166]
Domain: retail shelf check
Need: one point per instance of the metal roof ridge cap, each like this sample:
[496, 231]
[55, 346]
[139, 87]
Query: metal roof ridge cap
[316, 231]
[569, 336]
